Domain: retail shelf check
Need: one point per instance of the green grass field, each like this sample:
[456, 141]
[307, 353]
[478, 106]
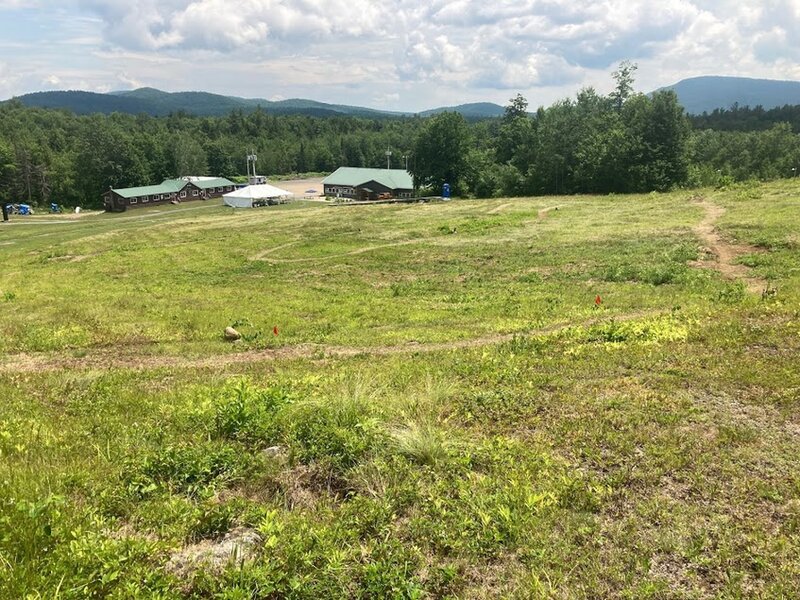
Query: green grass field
[454, 415]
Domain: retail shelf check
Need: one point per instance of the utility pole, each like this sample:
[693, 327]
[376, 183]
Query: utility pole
[388, 158]
[251, 160]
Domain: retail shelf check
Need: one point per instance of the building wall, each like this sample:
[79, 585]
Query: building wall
[359, 193]
[113, 202]
[343, 191]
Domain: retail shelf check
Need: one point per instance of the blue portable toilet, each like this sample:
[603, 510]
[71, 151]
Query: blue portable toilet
[24, 209]
[446, 190]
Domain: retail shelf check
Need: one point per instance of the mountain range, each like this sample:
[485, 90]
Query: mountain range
[697, 95]
[157, 103]
[704, 94]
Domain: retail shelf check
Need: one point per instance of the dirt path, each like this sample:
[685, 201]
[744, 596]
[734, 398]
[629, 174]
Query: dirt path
[545, 211]
[724, 254]
[499, 208]
[114, 358]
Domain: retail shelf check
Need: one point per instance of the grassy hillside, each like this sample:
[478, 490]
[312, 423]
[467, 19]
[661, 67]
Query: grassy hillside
[444, 412]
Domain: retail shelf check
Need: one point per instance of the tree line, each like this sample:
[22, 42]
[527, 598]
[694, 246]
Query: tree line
[593, 143]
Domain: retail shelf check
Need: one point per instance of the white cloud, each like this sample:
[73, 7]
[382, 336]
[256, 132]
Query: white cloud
[351, 50]
[129, 82]
[225, 25]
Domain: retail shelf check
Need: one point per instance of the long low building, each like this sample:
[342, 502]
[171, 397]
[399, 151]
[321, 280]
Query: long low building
[368, 184]
[170, 190]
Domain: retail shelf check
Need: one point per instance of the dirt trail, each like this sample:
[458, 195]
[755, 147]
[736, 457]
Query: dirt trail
[114, 358]
[499, 208]
[725, 253]
[544, 212]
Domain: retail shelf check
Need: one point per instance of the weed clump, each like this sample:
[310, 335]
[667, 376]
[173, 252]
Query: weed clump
[192, 470]
[421, 443]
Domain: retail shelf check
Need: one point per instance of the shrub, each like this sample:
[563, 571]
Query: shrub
[245, 413]
[341, 432]
[184, 469]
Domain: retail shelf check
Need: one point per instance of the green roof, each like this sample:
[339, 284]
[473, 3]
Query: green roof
[205, 184]
[167, 187]
[170, 186]
[395, 179]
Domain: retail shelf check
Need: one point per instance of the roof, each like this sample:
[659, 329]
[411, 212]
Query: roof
[395, 179]
[205, 183]
[167, 187]
[257, 192]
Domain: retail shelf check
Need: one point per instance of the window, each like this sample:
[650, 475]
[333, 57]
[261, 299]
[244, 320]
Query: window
[228, 188]
[219, 189]
[145, 199]
[134, 200]
[194, 193]
[183, 194]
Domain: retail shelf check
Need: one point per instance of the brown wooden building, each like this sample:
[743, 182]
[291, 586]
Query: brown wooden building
[368, 184]
[170, 190]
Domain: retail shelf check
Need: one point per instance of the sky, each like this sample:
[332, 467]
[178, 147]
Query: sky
[407, 55]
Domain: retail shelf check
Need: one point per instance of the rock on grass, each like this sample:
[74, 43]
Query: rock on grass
[238, 546]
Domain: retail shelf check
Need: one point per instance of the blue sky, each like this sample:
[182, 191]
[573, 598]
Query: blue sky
[392, 54]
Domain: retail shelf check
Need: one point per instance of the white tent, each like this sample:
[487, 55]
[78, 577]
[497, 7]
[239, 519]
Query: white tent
[256, 195]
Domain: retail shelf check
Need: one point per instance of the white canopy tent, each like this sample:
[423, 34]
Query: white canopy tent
[256, 195]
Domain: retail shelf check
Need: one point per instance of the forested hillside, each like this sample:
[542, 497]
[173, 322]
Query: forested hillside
[156, 103]
[747, 118]
[623, 142]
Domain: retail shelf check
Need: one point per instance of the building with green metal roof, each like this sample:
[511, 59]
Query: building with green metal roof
[169, 190]
[368, 184]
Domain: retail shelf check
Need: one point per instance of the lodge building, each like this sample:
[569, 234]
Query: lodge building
[368, 184]
[170, 190]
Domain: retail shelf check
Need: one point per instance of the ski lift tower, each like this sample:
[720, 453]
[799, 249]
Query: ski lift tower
[388, 158]
[252, 178]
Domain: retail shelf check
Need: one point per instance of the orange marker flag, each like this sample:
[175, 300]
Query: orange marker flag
[598, 300]
[275, 330]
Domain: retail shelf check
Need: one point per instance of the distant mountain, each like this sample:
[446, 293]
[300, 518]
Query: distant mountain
[157, 103]
[704, 94]
[477, 110]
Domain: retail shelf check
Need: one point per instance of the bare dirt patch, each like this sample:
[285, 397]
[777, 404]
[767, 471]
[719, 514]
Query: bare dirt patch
[723, 254]
[300, 187]
[238, 546]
